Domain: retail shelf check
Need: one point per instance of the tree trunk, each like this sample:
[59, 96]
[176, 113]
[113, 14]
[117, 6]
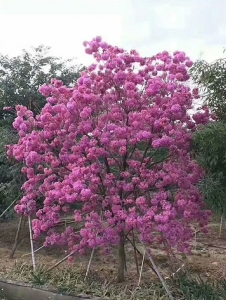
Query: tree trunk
[121, 259]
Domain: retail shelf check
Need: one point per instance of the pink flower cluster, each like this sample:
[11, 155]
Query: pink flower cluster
[114, 152]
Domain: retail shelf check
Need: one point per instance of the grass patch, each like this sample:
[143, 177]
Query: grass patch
[71, 281]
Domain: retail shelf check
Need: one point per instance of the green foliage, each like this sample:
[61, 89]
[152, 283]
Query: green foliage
[215, 193]
[198, 289]
[210, 151]
[10, 175]
[21, 76]
[40, 276]
[159, 155]
[210, 141]
[211, 78]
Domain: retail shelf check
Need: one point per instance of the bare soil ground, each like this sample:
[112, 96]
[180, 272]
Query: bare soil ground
[208, 258]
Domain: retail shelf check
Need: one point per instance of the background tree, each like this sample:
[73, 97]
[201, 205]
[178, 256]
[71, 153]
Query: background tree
[20, 79]
[210, 150]
[211, 78]
[10, 175]
[210, 140]
[21, 76]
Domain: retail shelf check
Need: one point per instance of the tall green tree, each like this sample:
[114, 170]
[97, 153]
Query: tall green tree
[210, 140]
[21, 76]
[211, 79]
[210, 150]
[10, 174]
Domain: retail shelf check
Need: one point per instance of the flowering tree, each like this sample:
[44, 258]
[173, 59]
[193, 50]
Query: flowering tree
[117, 145]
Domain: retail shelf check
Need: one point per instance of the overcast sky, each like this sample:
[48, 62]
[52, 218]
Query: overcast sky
[149, 26]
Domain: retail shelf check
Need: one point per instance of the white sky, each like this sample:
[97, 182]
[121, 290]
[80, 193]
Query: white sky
[149, 26]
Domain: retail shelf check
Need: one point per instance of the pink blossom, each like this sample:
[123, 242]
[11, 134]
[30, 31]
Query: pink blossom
[45, 90]
[95, 151]
[176, 108]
